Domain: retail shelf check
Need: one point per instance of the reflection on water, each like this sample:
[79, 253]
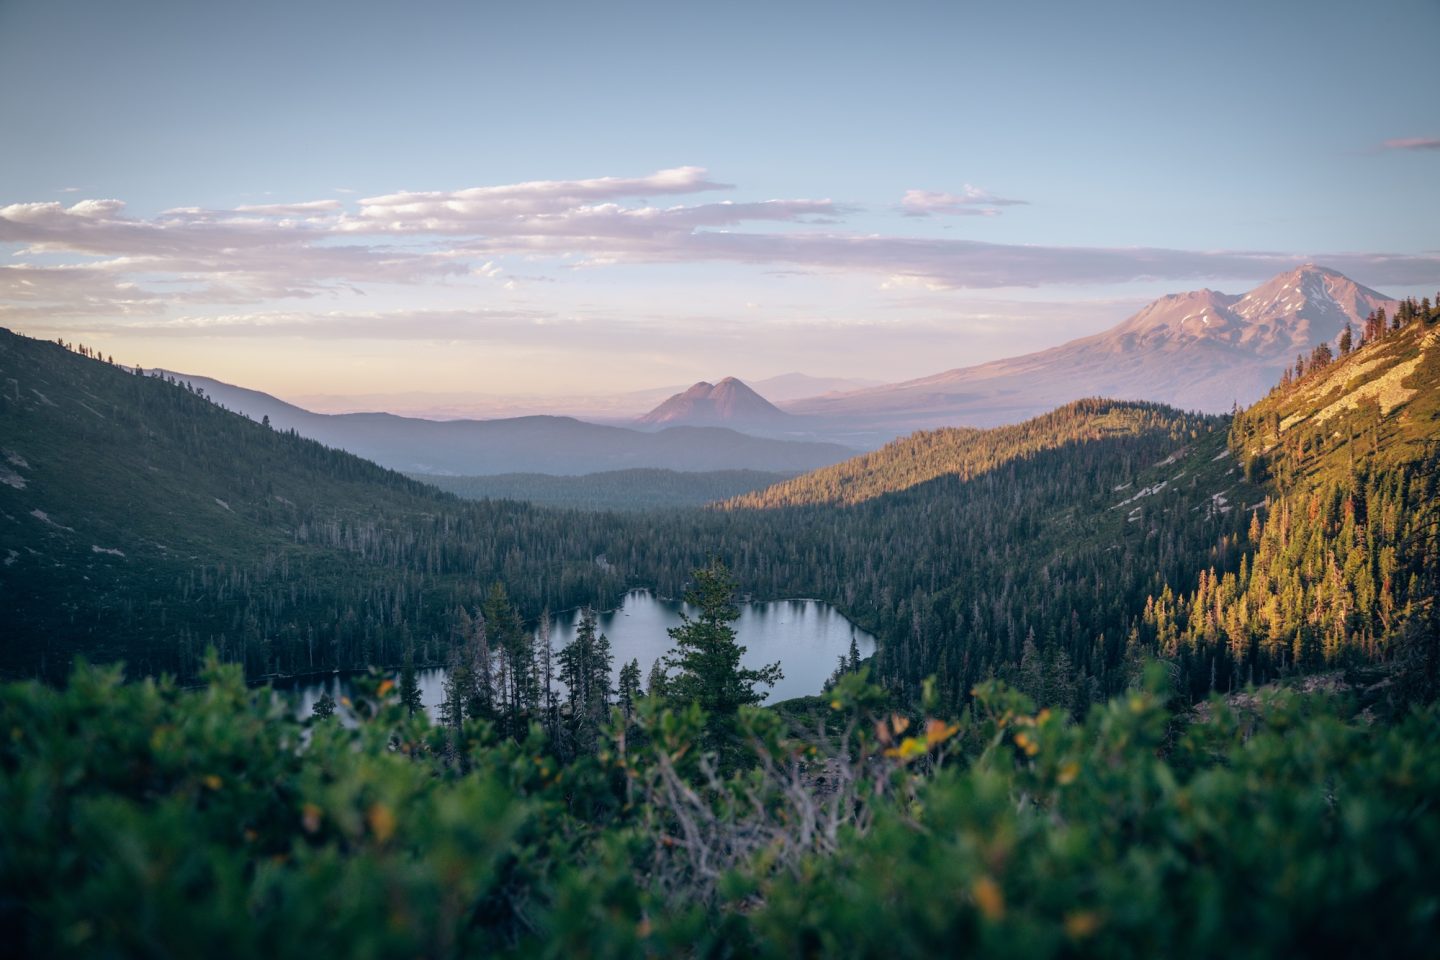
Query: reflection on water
[806, 636]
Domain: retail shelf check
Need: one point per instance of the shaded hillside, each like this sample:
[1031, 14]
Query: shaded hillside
[1344, 566]
[554, 445]
[1201, 350]
[139, 521]
[615, 490]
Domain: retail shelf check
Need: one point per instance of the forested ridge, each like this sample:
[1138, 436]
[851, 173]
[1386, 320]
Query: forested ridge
[139, 521]
[1343, 567]
[964, 453]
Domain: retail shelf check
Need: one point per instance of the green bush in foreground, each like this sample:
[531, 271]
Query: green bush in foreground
[143, 820]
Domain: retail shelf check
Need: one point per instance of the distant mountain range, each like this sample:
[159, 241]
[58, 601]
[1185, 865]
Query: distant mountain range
[1201, 350]
[617, 407]
[539, 444]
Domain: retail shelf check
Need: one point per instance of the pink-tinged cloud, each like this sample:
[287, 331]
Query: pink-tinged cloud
[970, 202]
[188, 256]
[447, 211]
[217, 257]
[1413, 143]
[309, 208]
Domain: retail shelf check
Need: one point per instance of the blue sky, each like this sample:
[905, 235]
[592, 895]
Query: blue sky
[879, 190]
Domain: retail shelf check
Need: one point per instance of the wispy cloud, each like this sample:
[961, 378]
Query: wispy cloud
[309, 208]
[1412, 143]
[453, 211]
[189, 257]
[215, 256]
[970, 202]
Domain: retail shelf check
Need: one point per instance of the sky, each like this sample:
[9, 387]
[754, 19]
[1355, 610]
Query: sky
[582, 198]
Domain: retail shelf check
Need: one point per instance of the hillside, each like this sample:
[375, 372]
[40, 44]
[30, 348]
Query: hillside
[1344, 566]
[1201, 350]
[958, 452]
[139, 521]
[729, 402]
[538, 444]
[1025, 552]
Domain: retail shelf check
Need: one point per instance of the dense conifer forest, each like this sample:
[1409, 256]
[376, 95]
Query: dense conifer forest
[639, 489]
[1055, 553]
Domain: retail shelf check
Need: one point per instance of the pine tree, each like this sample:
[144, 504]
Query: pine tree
[657, 682]
[545, 675]
[410, 697]
[629, 689]
[707, 657]
[514, 647]
[324, 707]
[585, 664]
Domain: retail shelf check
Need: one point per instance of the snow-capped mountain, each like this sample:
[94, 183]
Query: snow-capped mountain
[1201, 350]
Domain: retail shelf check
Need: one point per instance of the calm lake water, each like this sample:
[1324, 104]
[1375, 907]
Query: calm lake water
[806, 636]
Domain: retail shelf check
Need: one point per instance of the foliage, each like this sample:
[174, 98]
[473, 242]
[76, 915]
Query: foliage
[706, 658]
[585, 670]
[143, 819]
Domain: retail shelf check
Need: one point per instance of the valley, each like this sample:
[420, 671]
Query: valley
[580, 481]
[1007, 533]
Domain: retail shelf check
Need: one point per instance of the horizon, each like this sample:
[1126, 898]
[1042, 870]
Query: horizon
[507, 204]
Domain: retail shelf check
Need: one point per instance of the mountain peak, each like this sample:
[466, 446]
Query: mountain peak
[1290, 311]
[1200, 350]
[701, 389]
[728, 402]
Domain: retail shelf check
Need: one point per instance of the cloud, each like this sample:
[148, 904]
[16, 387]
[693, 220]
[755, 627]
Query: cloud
[208, 256]
[972, 202]
[497, 326]
[309, 208]
[190, 257]
[1412, 143]
[452, 211]
[29, 292]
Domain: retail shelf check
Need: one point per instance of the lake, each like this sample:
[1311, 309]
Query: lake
[806, 636]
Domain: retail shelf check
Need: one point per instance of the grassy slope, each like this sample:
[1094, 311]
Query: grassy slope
[1390, 388]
